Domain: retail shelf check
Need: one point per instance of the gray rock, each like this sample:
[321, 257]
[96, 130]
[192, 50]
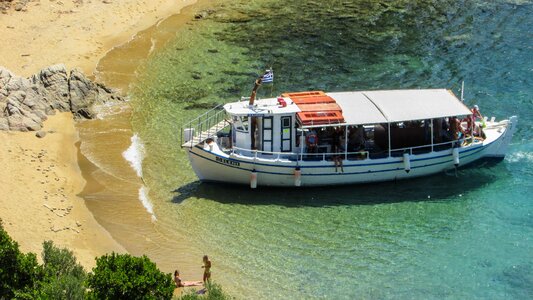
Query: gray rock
[83, 94]
[5, 76]
[40, 134]
[54, 80]
[26, 102]
[22, 123]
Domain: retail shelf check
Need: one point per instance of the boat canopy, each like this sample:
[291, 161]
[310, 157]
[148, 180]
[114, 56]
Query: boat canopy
[392, 106]
[319, 109]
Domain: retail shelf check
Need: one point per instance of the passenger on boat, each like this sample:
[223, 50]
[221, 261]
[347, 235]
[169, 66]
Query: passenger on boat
[356, 138]
[337, 148]
[471, 122]
[311, 141]
[456, 129]
[437, 135]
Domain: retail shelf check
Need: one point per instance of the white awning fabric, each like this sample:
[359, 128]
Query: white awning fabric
[373, 107]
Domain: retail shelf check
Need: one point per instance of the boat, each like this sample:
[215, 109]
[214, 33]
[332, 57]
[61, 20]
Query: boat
[314, 138]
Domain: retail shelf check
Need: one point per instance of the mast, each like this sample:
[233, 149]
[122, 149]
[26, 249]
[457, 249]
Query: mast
[253, 120]
[258, 82]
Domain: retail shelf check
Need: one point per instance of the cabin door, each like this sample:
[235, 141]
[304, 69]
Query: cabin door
[267, 134]
[286, 134]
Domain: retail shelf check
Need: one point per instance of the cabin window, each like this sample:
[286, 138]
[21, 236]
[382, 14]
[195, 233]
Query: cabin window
[241, 123]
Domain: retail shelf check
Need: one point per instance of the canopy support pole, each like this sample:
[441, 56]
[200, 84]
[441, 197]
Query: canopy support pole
[302, 143]
[431, 135]
[346, 142]
[388, 133]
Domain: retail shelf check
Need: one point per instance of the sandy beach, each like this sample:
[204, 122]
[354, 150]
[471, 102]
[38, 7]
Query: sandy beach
[76, 33]
[41, 178]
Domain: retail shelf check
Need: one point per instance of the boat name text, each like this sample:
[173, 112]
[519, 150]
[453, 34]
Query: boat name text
[228, 162]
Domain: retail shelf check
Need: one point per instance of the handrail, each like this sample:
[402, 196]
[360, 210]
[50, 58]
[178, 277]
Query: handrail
[304, 156]
[430, 145]
[299, 155]
[200, 127]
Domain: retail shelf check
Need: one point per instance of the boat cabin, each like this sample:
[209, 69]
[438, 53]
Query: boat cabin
[364, 124]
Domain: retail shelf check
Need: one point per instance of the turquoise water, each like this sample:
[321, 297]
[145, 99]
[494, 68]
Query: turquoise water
[438, 237]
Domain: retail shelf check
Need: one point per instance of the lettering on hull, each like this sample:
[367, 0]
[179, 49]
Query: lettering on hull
[227, 161]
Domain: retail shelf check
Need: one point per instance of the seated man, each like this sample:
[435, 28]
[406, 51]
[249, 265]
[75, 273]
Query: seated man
[311, 141]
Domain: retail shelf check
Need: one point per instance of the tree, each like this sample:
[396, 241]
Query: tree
[19, 272]
[122, 276]
[64, 277]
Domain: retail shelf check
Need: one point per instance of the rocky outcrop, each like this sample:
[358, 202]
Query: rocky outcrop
[26, 102]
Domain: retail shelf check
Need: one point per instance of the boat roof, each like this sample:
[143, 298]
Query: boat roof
[318, 109]
[261, 107]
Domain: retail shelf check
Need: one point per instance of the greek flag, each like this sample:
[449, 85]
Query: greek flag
[268, 77]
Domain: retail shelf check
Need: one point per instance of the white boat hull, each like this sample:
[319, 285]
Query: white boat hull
[215, 165]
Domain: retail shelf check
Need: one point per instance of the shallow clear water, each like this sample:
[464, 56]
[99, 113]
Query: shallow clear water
[436, 237]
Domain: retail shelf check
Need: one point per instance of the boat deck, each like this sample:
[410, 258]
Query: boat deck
[204, 135]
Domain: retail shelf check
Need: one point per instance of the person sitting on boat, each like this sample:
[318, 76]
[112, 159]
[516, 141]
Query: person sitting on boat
[456, 129]
[337, 158]
[471, 122]
[311, 140]
[356, 138]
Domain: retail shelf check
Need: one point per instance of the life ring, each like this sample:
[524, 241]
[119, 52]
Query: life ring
[311, 140]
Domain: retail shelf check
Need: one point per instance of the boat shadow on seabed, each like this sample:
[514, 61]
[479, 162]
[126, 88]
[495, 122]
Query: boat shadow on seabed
[439, 187]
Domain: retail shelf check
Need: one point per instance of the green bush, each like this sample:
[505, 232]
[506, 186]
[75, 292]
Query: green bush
[122, 276]
[213, 292]
[64, 277]
[18, 271]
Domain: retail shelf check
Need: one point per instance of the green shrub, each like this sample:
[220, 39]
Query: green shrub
[122, 276]
[213, 292]
[19, 272]
[64, 277]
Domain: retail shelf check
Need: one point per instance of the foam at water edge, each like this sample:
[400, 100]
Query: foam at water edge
[110, 108]
[135, 154]
[143, 196]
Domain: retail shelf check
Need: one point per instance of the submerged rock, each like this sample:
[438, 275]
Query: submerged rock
[26, 102]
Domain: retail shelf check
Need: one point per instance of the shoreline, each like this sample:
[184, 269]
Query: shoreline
[75, 33]
[55, 205]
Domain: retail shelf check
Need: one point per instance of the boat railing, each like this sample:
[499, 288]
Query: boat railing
[203, 127]
[431, 147]
[358, 155]
[298, 155]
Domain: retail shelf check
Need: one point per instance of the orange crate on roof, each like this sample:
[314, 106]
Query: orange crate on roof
[320, 118]
[319, 107]
[303, 94]
[313, 100]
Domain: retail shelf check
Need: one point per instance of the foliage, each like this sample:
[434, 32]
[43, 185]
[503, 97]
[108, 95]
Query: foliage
[64, 276]
[213, 292]
[18, 271]
[122, 276]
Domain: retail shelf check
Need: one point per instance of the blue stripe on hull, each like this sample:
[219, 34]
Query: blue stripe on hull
[474, 151]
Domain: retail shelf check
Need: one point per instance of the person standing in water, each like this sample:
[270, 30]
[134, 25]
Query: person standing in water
[207, 268]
